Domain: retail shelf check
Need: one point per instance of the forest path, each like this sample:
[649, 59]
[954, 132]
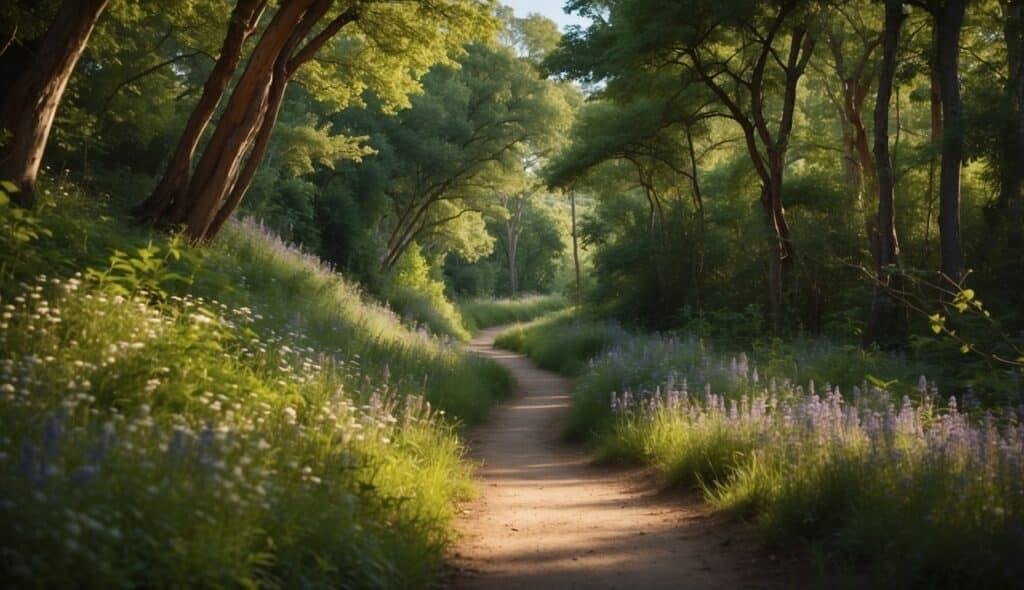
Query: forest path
[546, 518]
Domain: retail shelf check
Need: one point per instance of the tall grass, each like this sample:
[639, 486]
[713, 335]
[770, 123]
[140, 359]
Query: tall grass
[485, 313]
[242, 416]
[882, 474]
[563, 342]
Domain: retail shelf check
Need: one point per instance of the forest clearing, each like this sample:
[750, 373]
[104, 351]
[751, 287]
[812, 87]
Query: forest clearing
[466, 294]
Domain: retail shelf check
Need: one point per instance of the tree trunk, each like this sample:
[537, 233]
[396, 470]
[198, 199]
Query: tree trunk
[698, 205]
[240, 139]
[259, 152]
[1010, 204]
[949, 20]
[31, 100]
[221, 163]
[575, 243]
[171, 189]
[513, 229]
[882, 315]
[935, 100]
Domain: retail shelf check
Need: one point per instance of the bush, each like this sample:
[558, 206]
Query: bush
[420, 297]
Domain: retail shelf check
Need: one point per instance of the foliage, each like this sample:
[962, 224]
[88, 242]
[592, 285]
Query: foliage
[870, 482]
[264, 424]
[563, 342]
[415, 292]
[148, 273]
[486, 313]
[923, 494]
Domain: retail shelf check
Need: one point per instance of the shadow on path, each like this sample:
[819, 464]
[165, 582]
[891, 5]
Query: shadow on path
[547, 519]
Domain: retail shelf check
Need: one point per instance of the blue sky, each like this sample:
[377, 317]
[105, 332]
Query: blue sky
[549, 8]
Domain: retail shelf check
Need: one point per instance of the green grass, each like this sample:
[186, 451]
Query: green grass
[240, 416]
[563, 342]
[909, 494]
[486, 313]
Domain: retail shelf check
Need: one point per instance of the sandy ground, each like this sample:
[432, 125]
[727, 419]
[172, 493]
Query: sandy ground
[546, 518]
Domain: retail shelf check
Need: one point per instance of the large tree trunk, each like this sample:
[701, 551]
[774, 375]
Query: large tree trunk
[883, 314]
[244, 19]
[242, 134]
[258, 154]
[31, 101]
[949, 20]
[222, 160]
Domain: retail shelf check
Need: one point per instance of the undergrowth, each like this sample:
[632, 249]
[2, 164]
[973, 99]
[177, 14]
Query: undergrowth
[237, 415]
[478, 314]
[849, 452]
[563, 342]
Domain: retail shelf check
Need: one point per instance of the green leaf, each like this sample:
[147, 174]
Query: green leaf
[9, 187]
[937, 328]
[968, 294]
[965, 348]
[880, 383]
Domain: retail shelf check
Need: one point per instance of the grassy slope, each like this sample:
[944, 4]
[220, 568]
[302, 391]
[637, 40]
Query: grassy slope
[486, 313]
[917, 493]
[562, 342]
[260, 422]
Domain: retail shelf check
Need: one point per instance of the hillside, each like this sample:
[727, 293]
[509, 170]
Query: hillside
[239, 415]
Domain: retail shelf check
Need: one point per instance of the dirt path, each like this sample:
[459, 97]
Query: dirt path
[547, 519]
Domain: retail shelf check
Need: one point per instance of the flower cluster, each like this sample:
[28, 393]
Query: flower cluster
[864, 468]
[134, 437]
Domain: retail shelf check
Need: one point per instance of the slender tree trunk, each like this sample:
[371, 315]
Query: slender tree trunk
[1010, 204]
[30, 105]
[882, 316]
[782, 251]
[801, 48]
[575, 243]
[171, 189]
[513, 229]
[698, 204]
[950, 18]
[935, 100]
[513, 271]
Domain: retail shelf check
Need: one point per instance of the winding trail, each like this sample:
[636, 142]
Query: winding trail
[546, 518]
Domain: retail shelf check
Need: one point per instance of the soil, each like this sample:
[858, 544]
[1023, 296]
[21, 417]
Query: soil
[546, 517]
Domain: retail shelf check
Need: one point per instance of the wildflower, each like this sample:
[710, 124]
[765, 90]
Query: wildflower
[290, 415]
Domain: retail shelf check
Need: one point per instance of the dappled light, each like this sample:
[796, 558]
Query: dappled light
[381, 294]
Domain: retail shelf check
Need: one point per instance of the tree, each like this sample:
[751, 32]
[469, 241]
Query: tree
[738, 52]
[512, 226]
[654, 134]
[885, 244]
[948, 16]
[172, 186]
[462, 142]
[852, 43]
[379, 44]
[30, 104]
